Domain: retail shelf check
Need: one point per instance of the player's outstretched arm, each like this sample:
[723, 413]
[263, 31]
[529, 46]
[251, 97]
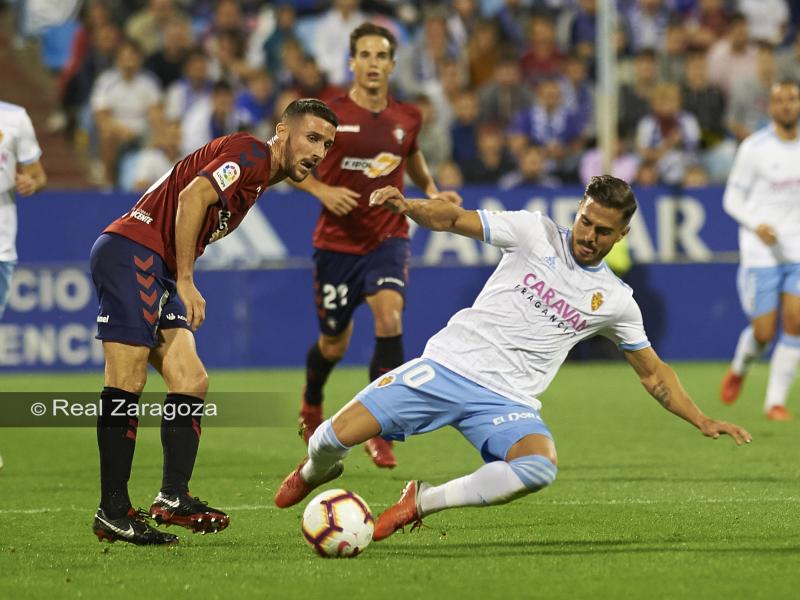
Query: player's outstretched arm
[193, 202]
[439, 213]
[420, 174]
[339, 200]
[662, 383]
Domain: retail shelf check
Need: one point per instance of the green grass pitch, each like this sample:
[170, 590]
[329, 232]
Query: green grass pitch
[643, 507]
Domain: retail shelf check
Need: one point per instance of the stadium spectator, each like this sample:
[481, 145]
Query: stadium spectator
[695, 177]
[126, 103]
[531, 170]
[227, 59]
[434, 138]
[749, 99]
[788, 60]
[285, 25]
[312, 82]
[483, 52]
[634, 97]
[707, 23]
[543, 58]
[192, 87]
[419, 64]
[149, 27]
[491, 161]
[646, 22]
[647, 175]
[668, 137]
[156, 159]
[331, 44]
[450, 176]
[210, 118]
[504, 96]
[464, 130]
[512, 16]
[767, 20]
[733, 56]
[462, 23]
[672, 57]
[167, 62]
[624, 166]
[255, 105]
[550, 125]
[578, 92]
[582, 28]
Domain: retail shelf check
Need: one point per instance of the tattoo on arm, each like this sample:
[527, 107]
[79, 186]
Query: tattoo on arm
[661, 393]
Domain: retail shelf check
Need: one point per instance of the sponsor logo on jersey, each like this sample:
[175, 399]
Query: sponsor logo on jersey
[394, 280]
[348, 128]
[399, 134]
[515, 416]
[142, 216]
[385, 380]
[550, 261]
[226, 175]
[102, 318]
[597, 300]
[552, 305]
[222, 229]
[380, 166]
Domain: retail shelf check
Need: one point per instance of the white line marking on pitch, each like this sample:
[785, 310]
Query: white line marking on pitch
[622, 502]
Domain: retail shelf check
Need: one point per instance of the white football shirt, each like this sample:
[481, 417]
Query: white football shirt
[18, 145]
[533, 309]
[764, 188]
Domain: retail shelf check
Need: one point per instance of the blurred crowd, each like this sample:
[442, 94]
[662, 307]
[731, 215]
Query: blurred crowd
[506, 87]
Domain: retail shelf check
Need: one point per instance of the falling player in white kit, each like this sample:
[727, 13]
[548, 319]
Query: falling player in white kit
[763, 196]
[483, 372]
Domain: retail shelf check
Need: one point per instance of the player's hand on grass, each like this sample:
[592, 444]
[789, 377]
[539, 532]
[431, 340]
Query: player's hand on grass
[389, 197]
[339, 200]
[193, 301]
[25, 184]
[450, 196]
[714, 429]
[767, 234]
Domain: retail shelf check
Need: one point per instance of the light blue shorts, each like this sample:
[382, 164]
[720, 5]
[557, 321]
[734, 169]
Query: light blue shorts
[6, 271]
[760, 288]
[422, 395]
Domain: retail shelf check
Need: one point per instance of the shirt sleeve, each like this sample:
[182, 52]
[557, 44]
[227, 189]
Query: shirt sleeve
[627, 332]
[740, 182]
[510, 229]
[240, 160]
[28, 150]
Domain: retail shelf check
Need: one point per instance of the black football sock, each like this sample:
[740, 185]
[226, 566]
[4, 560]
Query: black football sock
[180, 438]
[318, 368]
[116, 440]
[388, 355]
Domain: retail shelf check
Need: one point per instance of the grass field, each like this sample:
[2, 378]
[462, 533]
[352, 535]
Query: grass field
[643, 507]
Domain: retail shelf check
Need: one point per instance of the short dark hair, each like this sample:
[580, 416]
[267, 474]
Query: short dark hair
[368, 28]
[310, 106]
[612, 192]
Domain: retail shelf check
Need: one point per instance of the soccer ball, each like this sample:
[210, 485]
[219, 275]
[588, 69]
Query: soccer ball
[338, 523]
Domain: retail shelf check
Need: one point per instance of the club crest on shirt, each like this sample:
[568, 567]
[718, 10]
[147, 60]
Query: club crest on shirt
[227, 174]
[597, 300]
[399, 134]
[385, 380]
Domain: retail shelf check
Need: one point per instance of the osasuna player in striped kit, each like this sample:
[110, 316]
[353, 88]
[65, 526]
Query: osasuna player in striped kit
[143, 269]
[483, 372]
[22, 174]
[763, 196]
[361, 253]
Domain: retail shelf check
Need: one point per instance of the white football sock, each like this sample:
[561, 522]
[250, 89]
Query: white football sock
[324, 451]
[782, 369]
[494, 483]
[747, 350]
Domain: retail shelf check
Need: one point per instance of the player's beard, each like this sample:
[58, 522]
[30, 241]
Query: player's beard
[787, 124]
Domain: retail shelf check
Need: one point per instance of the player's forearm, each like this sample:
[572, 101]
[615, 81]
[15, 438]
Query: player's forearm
[188, 221]
[733, 203]
[436, 214]
[666, 388]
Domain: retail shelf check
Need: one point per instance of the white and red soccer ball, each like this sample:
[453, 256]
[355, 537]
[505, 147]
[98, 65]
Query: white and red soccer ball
[338, 524]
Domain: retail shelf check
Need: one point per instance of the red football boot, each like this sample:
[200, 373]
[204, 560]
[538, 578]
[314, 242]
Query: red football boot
[381, 453]
[778, 413]
[400, 514]
[294, 488]
[730, 388]
[310, 419]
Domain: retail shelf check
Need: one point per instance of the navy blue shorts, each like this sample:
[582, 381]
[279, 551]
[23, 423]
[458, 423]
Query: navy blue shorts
[342, 281]
[136, 291]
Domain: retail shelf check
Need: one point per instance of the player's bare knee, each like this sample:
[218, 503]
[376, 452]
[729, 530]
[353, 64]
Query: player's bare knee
[388, 323]
[791, 325]
[187, 379]
[764, 335]
[130, 382]
[535, 471]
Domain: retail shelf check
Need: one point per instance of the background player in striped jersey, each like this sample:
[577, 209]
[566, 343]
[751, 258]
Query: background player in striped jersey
[763, 196]
[483, 372]
[362, 251]
[142, 266]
